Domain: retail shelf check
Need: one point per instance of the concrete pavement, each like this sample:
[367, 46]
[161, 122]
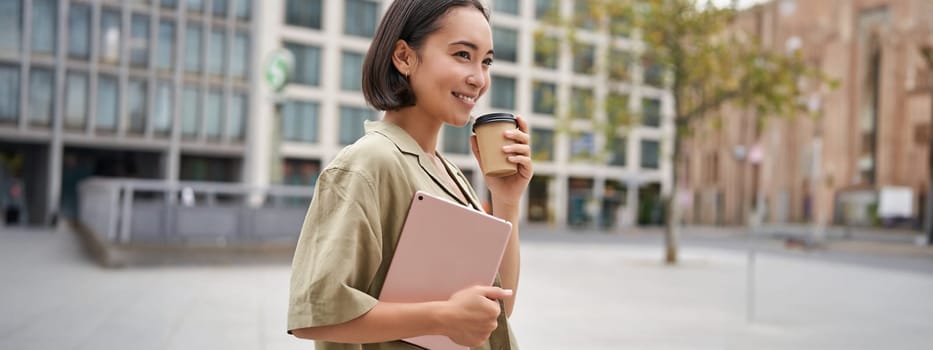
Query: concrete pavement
[591, 294]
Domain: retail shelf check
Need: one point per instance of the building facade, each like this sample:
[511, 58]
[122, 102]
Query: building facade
[141, 89]
[871, 132]
[175, 90]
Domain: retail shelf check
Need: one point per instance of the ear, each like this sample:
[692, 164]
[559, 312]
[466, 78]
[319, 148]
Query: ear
[404, 58]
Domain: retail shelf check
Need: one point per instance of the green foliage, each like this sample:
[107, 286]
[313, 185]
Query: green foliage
[695, 50]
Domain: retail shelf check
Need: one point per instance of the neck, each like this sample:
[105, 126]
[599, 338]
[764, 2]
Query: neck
[419, 126]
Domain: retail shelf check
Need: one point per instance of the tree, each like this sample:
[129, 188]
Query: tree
[698, 53]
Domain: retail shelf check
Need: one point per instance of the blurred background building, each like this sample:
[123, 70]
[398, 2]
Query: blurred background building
[176, 90]
[137, 89]
[867, 150]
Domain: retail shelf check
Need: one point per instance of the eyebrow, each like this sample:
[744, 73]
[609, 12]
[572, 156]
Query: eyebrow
[471, 45]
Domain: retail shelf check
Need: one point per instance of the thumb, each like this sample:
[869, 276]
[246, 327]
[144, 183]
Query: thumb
[475, 147]
[495, 293]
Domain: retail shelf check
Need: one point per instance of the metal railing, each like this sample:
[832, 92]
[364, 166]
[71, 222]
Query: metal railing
[126, 211]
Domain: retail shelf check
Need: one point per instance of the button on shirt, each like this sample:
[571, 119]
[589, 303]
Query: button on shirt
[353, 225]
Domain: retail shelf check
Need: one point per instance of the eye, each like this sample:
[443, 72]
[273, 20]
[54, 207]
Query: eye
[463, 54]
[487, 62]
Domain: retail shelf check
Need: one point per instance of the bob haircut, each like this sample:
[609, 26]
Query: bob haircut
[384, 87]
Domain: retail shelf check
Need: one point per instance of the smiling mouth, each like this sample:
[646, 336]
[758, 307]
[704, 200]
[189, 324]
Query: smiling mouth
[465, 98]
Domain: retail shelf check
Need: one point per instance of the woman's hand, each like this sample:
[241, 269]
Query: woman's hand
[509, 189]
[472, 314]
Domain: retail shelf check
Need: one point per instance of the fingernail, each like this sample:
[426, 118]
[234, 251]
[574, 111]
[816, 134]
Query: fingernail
[507, 291]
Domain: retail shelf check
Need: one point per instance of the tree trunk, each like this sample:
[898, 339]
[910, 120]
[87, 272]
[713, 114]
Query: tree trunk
[670, 231]
[672, 210]
[929, 205]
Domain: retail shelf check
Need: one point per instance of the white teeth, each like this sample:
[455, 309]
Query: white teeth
[465, 98]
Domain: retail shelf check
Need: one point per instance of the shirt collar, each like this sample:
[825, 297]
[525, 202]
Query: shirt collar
[406, 144]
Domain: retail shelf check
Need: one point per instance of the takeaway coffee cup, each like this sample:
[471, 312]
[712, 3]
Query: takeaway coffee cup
[490, 137]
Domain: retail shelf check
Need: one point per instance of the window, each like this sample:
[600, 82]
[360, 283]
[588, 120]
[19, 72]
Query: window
[506, 42]
[654, 73]
[44, 25]
[168, 3]
[584, 14]
[191, 112]
[218, 50]
[304, 13]
[239, 60]
[110, 36]
[40, 96]
[236, 124]
[545, 95]
[242, 9]
[457, 140]
[213, 116]
[582, 103]
[193, 47]
[11, 25]
[507, 6]
[300, 121]
[542, 144]
[215, 169]
[617, 150]
[9, 93]
[650, 152]
[196, 5]
[219, 8]
[307, 64]
[162, 119]
[651, 112]
[503, 92]
[136, 105]
[545, 8]
[619, 64]
[360, 17]
[107, 97]
[351, 74]
[547, 50]
[582, 146]
[139, 43]
[620, 23]
[79, 31]
[165, 51]
[351, 123]
[76, 87]
[584, 58]
[300, 172]
[617, 109]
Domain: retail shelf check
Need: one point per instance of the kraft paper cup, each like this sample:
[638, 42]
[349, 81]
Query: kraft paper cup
[490, 137]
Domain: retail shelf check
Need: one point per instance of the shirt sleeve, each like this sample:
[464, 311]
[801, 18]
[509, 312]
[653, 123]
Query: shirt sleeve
[338, 252]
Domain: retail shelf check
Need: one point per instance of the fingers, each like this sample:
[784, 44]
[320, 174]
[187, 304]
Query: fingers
[522, 123]
[521, 138]
[494, 293]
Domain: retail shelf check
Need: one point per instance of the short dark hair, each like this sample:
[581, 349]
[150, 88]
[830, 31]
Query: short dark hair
[384, 87]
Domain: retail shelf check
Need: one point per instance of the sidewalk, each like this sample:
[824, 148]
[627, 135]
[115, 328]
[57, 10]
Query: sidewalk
[585, 295]
[882, 242]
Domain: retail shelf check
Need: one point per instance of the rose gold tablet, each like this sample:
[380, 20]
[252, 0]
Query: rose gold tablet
[444, 247]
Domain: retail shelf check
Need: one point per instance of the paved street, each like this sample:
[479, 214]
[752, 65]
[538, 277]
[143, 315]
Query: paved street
[579, 291]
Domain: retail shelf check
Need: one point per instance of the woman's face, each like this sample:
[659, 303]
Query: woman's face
[453, 69]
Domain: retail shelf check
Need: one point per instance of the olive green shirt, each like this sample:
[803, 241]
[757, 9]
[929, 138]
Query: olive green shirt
[353, 225]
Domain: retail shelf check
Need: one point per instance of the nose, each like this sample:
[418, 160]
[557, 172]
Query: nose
[477, 79]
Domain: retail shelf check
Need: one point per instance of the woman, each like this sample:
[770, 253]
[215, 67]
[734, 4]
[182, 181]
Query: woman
[427, 66]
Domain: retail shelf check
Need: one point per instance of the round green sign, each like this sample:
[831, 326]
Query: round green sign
[278, 69]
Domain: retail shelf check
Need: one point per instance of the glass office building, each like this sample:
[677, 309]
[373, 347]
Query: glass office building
[174, 90]
[156, 89]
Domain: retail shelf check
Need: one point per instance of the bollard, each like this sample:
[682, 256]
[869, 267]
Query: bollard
[750, 288]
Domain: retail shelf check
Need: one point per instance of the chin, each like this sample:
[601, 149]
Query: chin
[460, 121]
